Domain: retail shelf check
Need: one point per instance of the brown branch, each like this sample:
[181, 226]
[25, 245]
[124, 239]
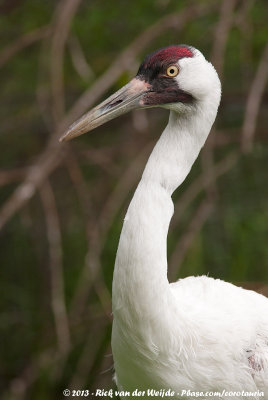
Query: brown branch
[248, 129]
[79, 184]
[84, 197]
[125, 60]
[43, 94]
[140, 120]
[207, 161]
[185, 242]
[200, 215]
[64, 14]
[8, 6]
[56, 271]
[24, 41]
[19, 385]
[92, 268]
[199, 218]
[259, 287]
[42, 168]
[244, 23]
[200, 183]
[48, 161]
[13, 175]
[221, 34]
[253, 102]
[101, 157]
[87, 358]
[49, 359]
[78, 59]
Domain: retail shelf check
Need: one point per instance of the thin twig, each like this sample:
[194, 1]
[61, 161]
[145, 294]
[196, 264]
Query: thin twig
[78, 59]
[13, 175]
[200, 183]
[125, 60]
[26, 190]
[244, 23]
[92, 269]
[24, 41]
[220, 38]
[43, 94]
[254, 101]
[87, 358]
[48, 161]
[221, 34]
[56, 270]
[101, 157]
[200, 216]
[64, 14]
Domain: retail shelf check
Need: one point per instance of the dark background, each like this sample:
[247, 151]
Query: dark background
[62, 206]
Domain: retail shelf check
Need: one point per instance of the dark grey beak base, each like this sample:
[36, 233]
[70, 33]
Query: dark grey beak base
[124, 100]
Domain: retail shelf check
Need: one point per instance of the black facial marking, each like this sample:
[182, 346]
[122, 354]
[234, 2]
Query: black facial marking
[167, 96]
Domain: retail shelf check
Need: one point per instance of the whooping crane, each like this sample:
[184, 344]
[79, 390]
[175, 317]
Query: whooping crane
[200, 333]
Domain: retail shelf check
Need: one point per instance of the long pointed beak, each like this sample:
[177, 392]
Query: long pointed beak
[128, 98]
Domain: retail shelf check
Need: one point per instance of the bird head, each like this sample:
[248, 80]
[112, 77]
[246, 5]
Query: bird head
[176, 77]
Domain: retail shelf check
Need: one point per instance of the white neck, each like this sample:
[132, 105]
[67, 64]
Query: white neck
[140, 273]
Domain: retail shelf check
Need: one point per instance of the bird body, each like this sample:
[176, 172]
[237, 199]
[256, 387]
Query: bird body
[197, 334]
[208, 335]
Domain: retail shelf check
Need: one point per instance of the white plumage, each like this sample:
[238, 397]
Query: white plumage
[197, 334]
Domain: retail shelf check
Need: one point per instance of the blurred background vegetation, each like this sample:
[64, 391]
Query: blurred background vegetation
[62, 206]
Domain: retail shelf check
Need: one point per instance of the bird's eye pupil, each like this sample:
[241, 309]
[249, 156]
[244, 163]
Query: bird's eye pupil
[172, 71]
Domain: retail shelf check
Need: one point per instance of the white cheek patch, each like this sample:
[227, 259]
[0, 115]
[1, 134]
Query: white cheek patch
[197, 76]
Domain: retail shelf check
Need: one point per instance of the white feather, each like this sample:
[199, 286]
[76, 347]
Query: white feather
[199, 333]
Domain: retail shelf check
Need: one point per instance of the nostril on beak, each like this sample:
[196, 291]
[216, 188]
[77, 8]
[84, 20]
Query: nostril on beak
[115, 103]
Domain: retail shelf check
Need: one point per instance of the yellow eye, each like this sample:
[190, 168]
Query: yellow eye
[172, 70]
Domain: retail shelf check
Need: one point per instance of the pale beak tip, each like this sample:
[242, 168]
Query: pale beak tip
[124, 100]
[70, 134]
[64, 137]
